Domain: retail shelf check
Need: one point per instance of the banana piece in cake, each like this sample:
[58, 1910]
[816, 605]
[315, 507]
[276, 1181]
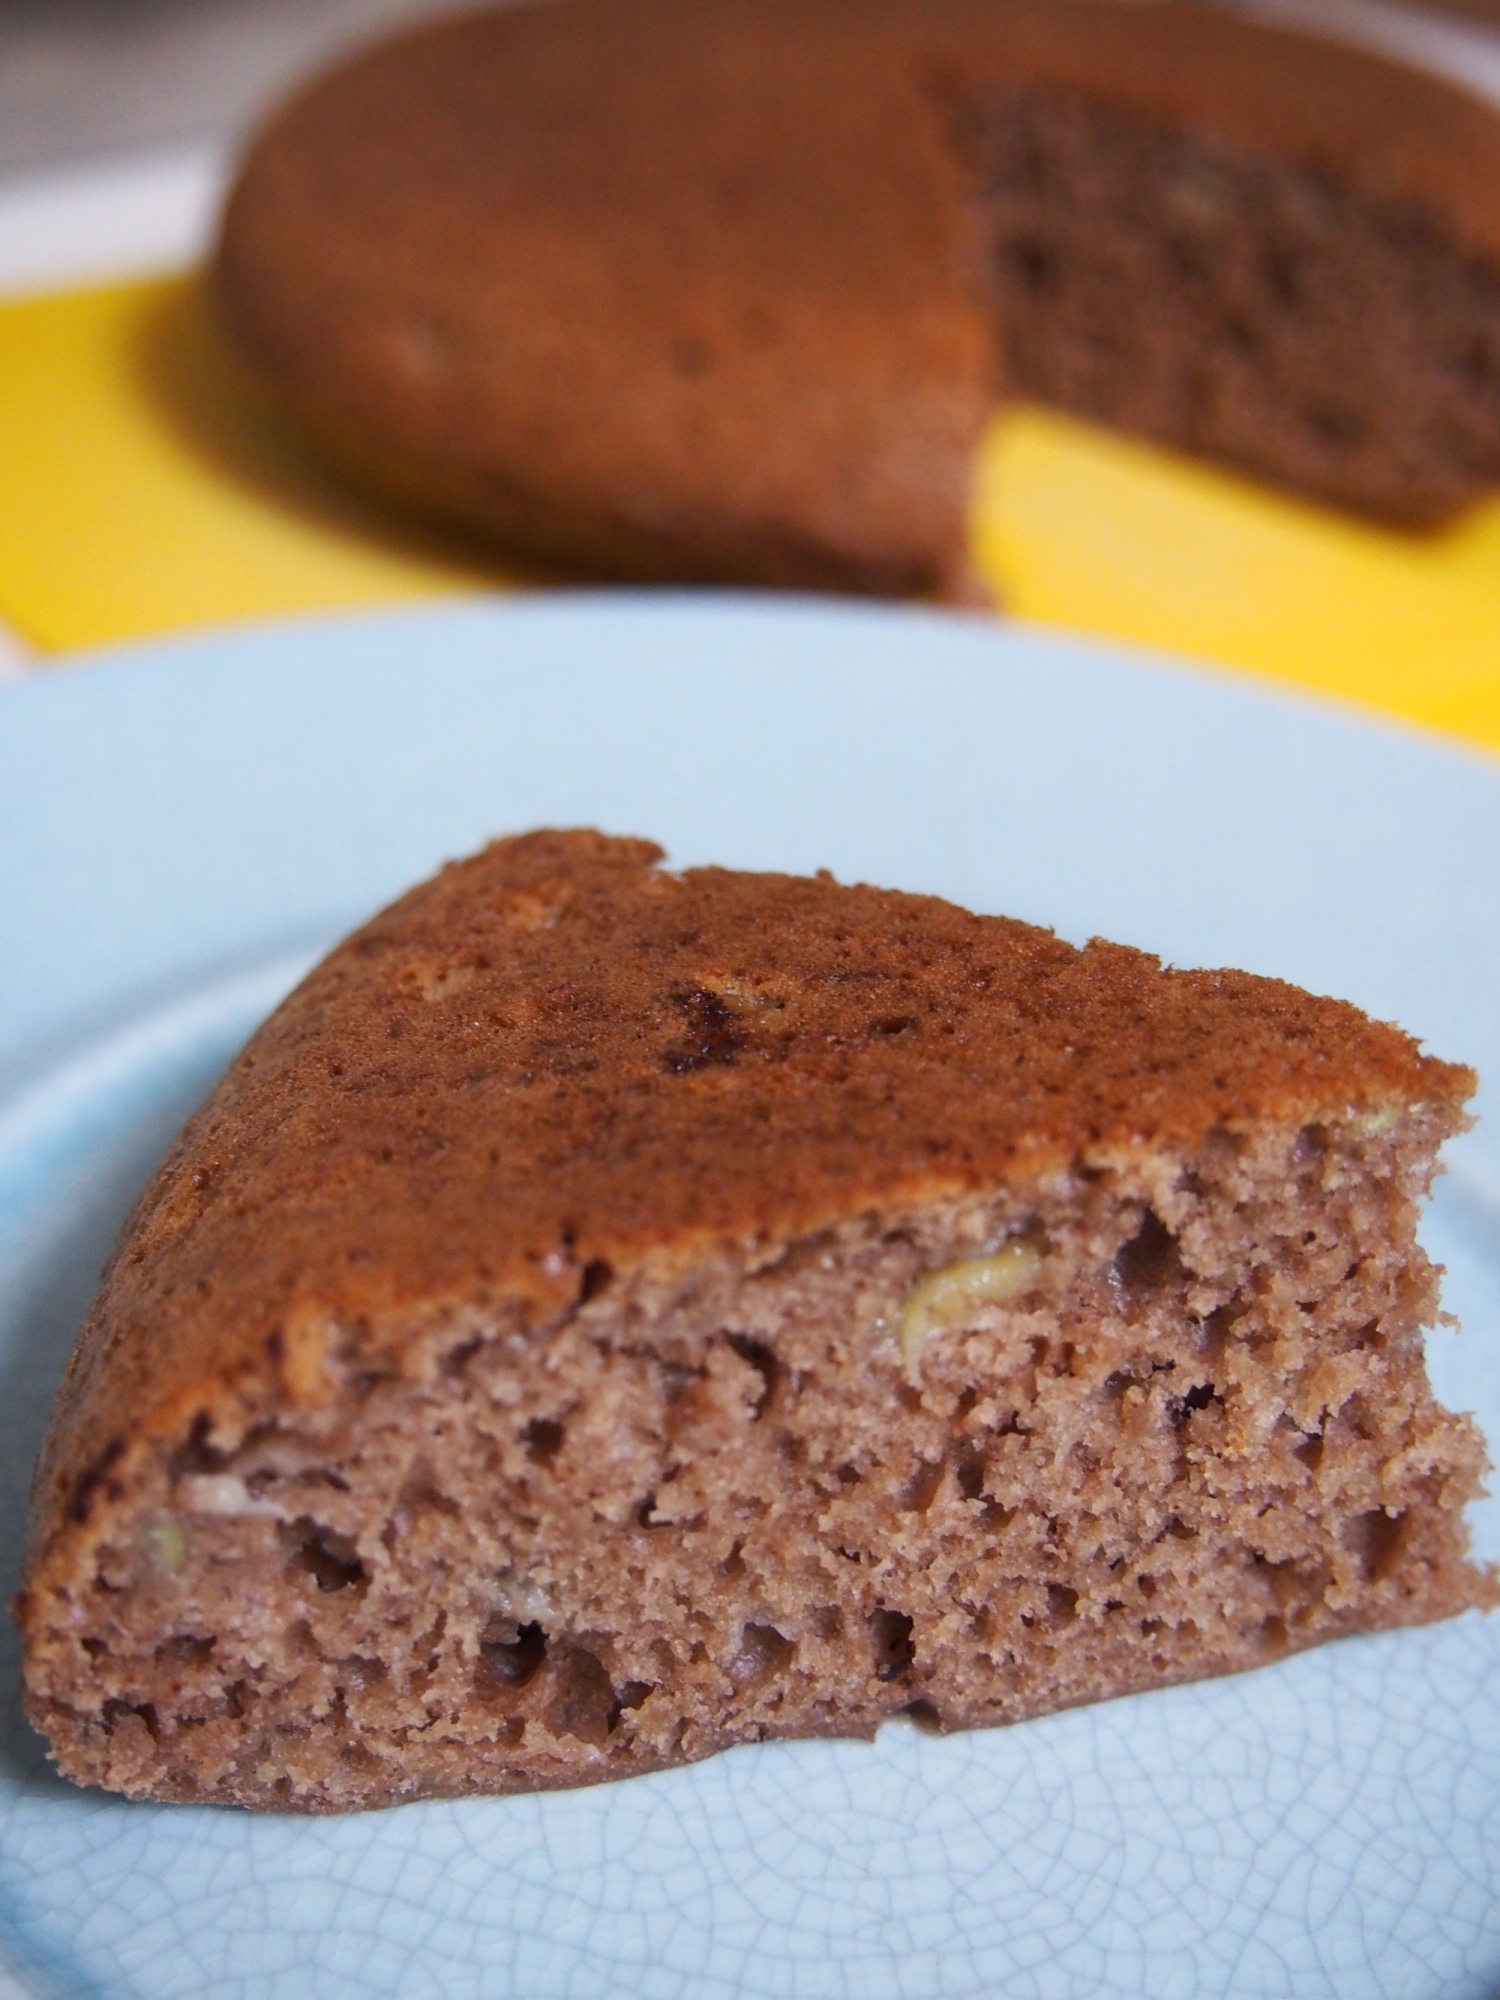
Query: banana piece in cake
[608, 1314]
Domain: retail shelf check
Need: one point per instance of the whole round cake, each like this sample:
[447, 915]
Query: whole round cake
[729, 289]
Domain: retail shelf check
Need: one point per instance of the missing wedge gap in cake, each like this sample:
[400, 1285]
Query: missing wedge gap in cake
[1264, 313]
[1176, 1423]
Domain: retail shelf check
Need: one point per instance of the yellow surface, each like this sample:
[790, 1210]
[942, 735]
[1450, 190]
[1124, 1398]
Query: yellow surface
[1079, 527]
[145, 488]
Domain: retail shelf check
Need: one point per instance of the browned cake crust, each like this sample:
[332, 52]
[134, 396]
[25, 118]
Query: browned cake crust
[728, 288]
[605, 1314]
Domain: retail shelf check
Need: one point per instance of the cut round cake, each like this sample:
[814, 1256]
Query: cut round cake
[731, 288]
[606, 1315]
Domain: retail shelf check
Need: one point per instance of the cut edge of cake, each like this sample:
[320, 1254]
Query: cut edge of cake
[953, 1441]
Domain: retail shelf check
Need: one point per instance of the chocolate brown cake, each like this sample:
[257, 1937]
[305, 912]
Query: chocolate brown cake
[729, 288]
[607, 1314]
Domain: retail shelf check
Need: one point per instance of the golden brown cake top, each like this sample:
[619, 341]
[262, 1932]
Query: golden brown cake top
[640, 281]
[558, 1055]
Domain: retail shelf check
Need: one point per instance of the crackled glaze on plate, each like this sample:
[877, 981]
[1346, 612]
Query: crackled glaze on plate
[182, 828]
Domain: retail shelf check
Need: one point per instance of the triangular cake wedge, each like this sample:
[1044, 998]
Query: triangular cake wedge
[609, 1314]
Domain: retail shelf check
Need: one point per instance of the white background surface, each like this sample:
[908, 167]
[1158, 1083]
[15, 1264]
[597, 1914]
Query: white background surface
[84, 225]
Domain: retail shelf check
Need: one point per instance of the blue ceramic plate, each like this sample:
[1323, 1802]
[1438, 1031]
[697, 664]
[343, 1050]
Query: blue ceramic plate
[182, 828]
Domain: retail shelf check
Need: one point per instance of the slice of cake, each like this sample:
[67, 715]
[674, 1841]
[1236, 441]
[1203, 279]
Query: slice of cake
[608, 1314]
[731, 288]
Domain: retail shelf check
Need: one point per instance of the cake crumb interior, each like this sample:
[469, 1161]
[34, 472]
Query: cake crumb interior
[1254, 310]
[715, 1502]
